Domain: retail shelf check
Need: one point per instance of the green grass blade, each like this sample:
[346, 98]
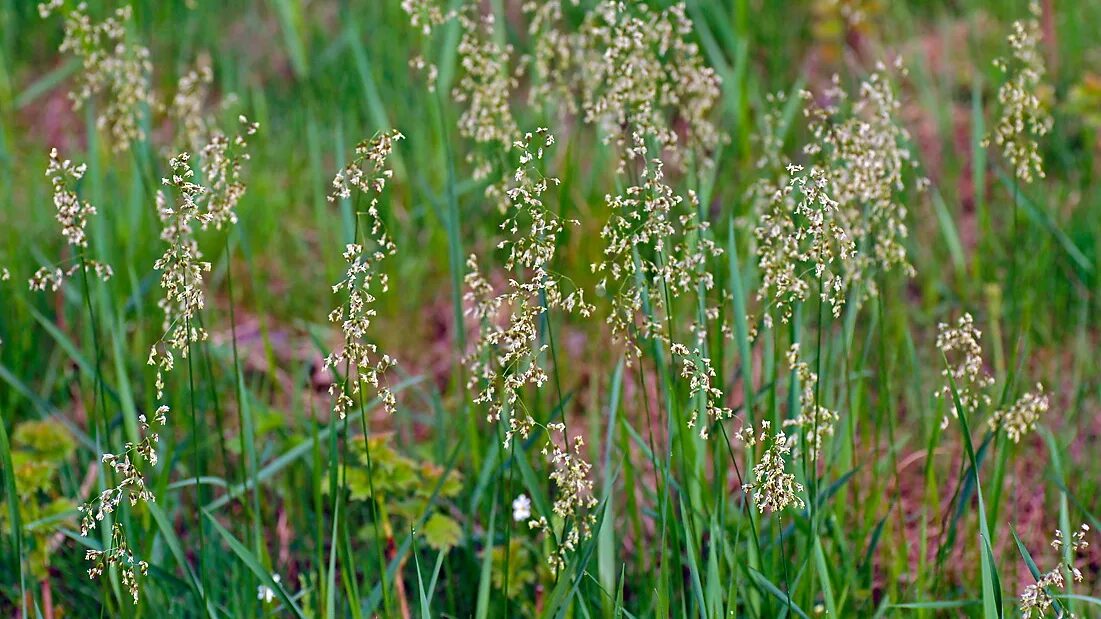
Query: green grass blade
[485, 578]
[253, 563]
[991, 598]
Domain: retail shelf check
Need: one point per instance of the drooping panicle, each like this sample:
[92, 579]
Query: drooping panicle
[358, 357]
[112, 68]
[960, 345]
[774, 489]
[801, 243]
[508, 357]
[72, 215]
[1023, 118]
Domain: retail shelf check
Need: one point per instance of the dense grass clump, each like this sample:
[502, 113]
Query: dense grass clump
[549, 309]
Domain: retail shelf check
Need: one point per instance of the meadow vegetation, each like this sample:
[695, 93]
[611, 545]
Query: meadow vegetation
[560, 308]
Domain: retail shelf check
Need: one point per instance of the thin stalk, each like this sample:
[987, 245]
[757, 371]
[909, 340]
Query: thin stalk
[812, 478]
[219, 418]
[508, 529]
[1013, 242]
[453, 226]
[196, 463]
[98, 388]
[746, 508]
[784, 555]
[386, 602]
[251, 512]
[659, 472]
[885, 385]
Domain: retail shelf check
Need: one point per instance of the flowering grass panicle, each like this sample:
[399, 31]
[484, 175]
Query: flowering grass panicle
[179, 205]
[774, 489]
[699, 373]
[506, 357]
[654, 249]
[815, 421]
[119, 556]
[430, 70]
[1037, 599]
[131, 487]
[961, 348]
[181, 269]
[640, 72]
[111, 66]
[865, 152]
[72, 215]
[188, 109]
[1023, 118]
[1021, 418]
[222, 158]
[800, 240]
[574, 500]
[770, 164]
[425, 15]
[554, 58]
[368, 172]
[188, 103]
[486, 85]
[181, 266]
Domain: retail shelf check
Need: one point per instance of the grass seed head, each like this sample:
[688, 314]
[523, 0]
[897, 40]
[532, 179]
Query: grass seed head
[815, 420]
[800, 242]
[72, 215]
[1021, 418]
[960, 345]
[1037, 599]
[1024, 117]
[773, 488]
[864, 149]
[112, 67]
[363, 278]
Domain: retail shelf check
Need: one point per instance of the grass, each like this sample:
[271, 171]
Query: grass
[410, 514]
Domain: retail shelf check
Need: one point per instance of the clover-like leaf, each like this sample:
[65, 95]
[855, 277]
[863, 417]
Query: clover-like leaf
[442, 532]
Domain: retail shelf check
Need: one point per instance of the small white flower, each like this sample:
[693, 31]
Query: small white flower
[521, 508]
[265, 593]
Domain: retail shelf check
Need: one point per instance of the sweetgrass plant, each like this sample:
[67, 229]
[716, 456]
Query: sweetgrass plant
[774, 489]
[658, 248]
[865, 151]
[509, 357]
[1038, 598]
[358, 356]
[638, 71]
[814, 421]
[802, 246]
[1022, 417]
[182, 205]
[113, 69]
[1024, 117]
[506, 356]
[485, 86]
[72, 215]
